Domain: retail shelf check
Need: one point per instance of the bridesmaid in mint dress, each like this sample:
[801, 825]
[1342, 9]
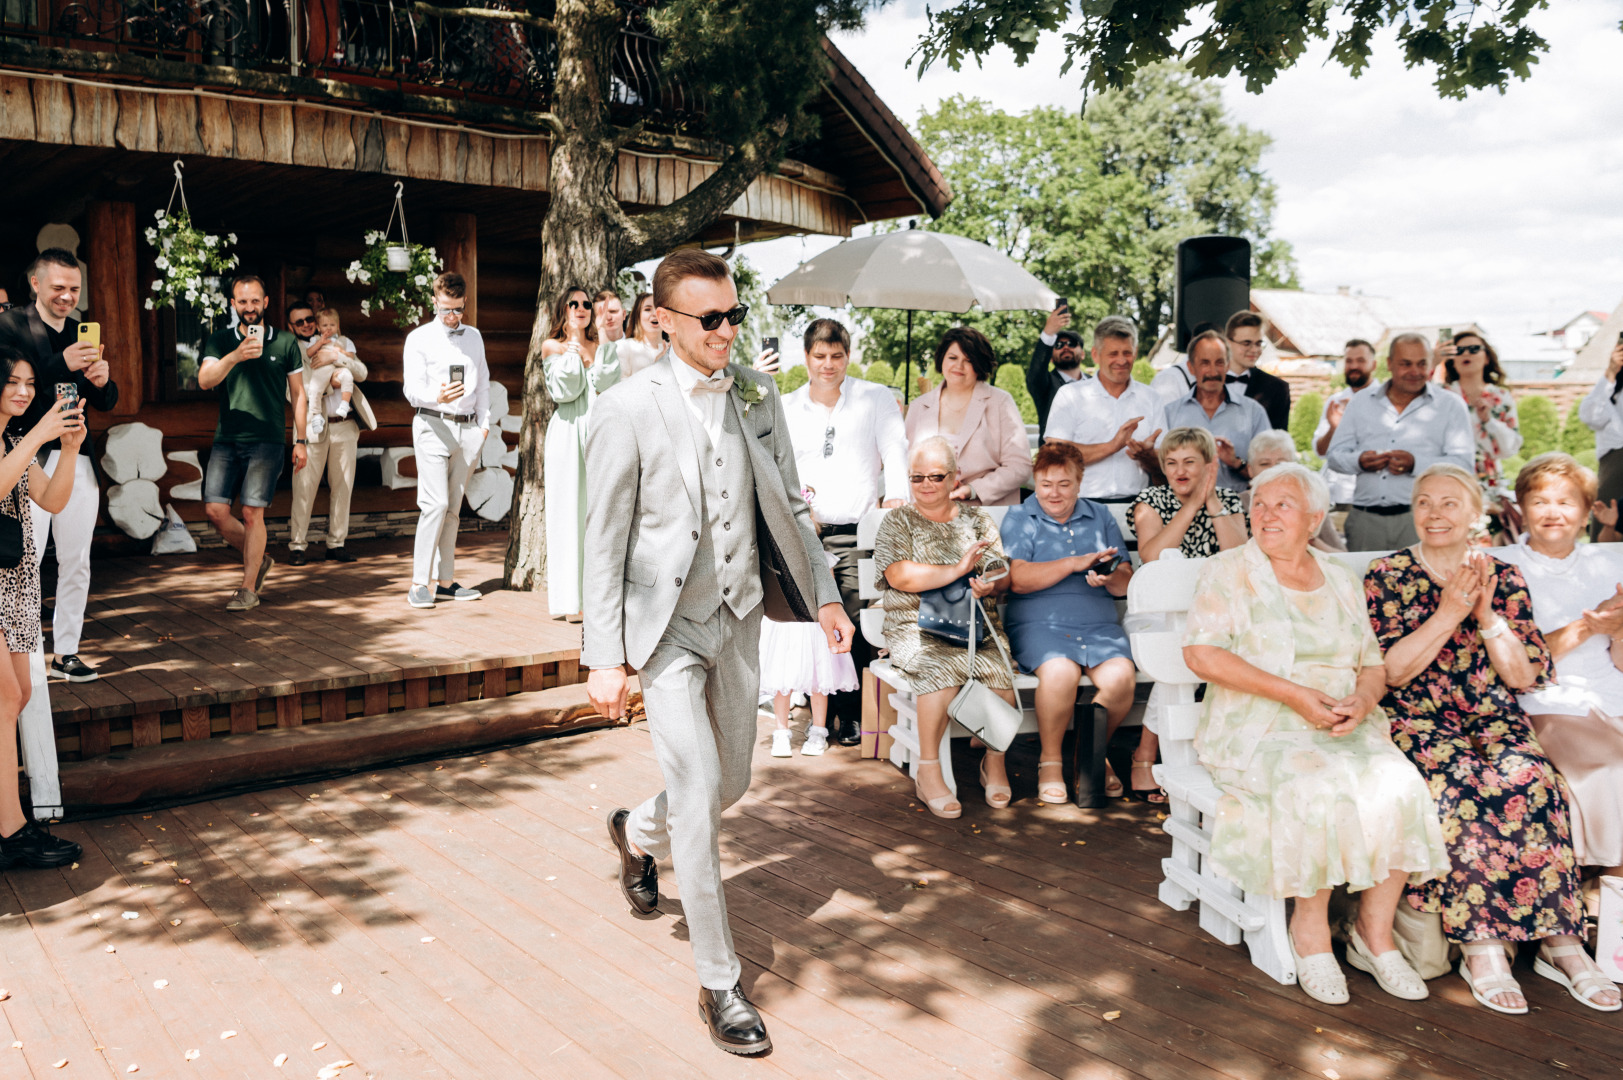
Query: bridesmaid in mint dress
[578, 368]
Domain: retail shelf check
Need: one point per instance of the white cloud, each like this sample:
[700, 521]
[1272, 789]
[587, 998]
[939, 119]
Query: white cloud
[1502, 209]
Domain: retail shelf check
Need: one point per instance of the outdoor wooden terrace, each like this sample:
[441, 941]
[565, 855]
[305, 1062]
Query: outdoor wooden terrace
[468, 914]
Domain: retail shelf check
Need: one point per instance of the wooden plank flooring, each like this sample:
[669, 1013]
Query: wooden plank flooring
[468, 913]
[158, 629]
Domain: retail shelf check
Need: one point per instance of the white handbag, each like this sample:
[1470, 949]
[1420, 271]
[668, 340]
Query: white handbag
[978, 708]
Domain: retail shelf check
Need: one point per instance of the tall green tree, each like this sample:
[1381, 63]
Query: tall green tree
[1093, 203]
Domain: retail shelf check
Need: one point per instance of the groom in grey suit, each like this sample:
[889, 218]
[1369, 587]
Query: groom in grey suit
[694, 526]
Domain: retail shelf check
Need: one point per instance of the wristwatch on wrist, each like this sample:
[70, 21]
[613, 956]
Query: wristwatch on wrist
[298, 442]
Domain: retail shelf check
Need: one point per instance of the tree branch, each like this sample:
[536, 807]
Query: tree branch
[658, 231]
[624, 136]
[493, 14]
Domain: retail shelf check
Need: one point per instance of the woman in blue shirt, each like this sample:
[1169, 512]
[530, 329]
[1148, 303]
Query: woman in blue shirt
[1061, 615]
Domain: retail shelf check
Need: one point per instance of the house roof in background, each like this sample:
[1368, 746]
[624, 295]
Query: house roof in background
[1591, 362]
[1320, 324]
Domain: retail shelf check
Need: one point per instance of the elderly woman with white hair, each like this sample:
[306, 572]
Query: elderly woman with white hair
[1275, 447]
[1315, 795]
[1461, 644]
[928, 544]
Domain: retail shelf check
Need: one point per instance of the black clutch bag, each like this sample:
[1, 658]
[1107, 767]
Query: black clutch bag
[11, 535]
[948, 612]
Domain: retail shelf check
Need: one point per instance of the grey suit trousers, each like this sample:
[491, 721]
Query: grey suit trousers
[700, 688]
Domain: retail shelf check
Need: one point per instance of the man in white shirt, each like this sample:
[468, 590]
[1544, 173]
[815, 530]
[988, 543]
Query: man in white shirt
[1390, 433]
[1358, 368]
[448, 383]
[851, 454]
[1112, 419]
[1174, 382]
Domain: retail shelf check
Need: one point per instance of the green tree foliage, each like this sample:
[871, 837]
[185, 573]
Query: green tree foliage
[1540, 426]
[1305, 420]
[881, 372]
[1012, 377]
[1093, 204]
[1576, 436]
[1144, 371]
[1468, 46]
[791, 379]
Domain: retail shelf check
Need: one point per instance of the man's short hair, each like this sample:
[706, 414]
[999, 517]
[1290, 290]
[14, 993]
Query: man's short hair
[678, 266]
[246, 279]
[1410, 337]
[1116, 326]
[53, 257]
[299, 305]
[1068, 335]
[1358, 342]
[1209, 335]
[827, 332]
[606, 294]
[451, 285]
[1239, 320]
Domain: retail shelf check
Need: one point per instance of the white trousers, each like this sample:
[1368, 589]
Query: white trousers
[73, 527]
[38, 737]
[334, 453]
[446, 453]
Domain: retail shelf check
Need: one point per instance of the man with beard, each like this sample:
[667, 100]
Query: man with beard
[1111, 418]
[1222, 409]
[1064, 347]
[259, 367]
[1357, 367]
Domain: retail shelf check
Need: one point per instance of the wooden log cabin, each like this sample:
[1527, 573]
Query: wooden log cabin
[294, 120]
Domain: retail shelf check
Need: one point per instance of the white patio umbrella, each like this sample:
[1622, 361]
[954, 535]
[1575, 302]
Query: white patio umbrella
[914, 270]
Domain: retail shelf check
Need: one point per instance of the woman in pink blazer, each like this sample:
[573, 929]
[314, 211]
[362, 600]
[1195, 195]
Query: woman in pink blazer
[982, 422]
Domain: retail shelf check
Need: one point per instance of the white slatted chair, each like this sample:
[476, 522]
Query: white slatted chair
[905, 750]
[1158, 600]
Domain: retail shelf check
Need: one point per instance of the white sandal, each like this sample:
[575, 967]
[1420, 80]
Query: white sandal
[1585, 986]
[1319, 976]
[1497, 982]
[1391, 971]
[938, 807]
[1053, 793]
[998, 796]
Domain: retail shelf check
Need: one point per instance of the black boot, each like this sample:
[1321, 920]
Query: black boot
[847, 731]
[34, 846]
[734, 1024]
[639, 874]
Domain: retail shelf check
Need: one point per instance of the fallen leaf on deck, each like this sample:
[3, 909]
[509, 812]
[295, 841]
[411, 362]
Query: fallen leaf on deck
[318, 1046]
[1113, 1014]
[315, 839]
[75, 866]
[159, 984]
[437, 768]
[387, 795]
[193, 1055]
[551, 877]
[111, 949]
[592, 786]
[95, 916]
[133, 1068]
[1160, 817]
[338, 988]
[183, 881]
[280, 1060]
[174, 922]
[4, 994]
[426, 940]
[253, 815]
[18, 1045]
[60, 1064]
[1331, 1074]
[228, 1034]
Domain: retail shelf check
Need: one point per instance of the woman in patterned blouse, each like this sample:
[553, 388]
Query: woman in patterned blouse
[1471, 369]
[1457, 629]
[1189, 513]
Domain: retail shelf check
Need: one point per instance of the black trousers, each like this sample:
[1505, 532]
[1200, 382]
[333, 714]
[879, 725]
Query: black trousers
[1611, 485]
[848, 706]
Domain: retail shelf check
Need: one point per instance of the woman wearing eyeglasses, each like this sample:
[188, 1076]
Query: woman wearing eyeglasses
[981, 421]
[932, 542]
[1471, 369]
[578, 368]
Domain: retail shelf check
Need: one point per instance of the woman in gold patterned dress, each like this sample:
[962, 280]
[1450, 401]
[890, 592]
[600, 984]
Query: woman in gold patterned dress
[932, 542]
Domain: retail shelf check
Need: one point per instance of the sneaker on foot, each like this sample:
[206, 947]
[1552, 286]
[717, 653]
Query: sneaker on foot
[419, 596]
[455, 592]
[73, 669]
[264, 568]
[242, 600]
[780, 743]
[316, 425]
[816, 742]
[34, 846]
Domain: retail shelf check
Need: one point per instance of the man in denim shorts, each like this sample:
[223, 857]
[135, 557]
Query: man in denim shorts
[258, 368]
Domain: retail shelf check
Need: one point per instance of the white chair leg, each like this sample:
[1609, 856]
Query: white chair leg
[944, 752]
[1270, 947]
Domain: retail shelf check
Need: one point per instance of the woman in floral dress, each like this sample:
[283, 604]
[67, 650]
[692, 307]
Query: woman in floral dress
[1457, 629]
[1471, 369]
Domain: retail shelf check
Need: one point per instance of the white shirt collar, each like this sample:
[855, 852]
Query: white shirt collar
[687, 376]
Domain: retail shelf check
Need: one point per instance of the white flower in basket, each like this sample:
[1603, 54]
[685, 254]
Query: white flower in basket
[187, 258]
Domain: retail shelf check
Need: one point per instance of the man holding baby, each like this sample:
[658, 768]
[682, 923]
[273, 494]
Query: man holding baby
[331, 370]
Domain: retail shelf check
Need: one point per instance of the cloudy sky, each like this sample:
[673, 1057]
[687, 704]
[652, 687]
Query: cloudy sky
[1507, 210]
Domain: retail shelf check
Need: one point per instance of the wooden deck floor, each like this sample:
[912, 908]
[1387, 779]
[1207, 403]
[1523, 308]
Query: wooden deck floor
[467, 912]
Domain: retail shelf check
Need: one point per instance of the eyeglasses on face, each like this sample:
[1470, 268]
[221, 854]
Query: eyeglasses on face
[580, 305]
[6, 305]
[457, 311]
[713, 319]
[1468, 350]
[934, 478]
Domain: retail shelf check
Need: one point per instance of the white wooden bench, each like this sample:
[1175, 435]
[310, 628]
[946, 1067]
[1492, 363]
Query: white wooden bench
[905, 751]
[1158, 600]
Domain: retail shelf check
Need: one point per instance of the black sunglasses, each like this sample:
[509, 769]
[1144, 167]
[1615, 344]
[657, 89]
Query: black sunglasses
[304, 321]
[6, 305]
[1471, 349]
[934, 478]
[828, 442]
[713, 320]
[581, 304]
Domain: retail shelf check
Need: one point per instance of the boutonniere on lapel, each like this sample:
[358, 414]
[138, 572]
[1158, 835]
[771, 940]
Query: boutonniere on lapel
[749, 392]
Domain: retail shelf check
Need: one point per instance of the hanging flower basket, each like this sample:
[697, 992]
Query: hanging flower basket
[190, 261]
[409, 293]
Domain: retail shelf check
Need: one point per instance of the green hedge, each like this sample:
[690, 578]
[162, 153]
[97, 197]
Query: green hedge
[1540, 426]
[1576, 437]
[1012, 377]
[1305, 420]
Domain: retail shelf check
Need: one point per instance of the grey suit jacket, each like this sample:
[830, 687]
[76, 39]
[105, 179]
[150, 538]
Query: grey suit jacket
[642, 509]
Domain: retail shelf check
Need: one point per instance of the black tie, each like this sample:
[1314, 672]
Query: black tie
[1246, 378]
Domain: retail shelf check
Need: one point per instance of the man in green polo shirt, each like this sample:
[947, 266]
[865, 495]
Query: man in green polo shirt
[257, 368]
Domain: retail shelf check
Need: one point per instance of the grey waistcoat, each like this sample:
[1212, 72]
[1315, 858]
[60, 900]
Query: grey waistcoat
[726, 565]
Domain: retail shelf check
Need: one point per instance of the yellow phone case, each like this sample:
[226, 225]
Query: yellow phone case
[91, 332]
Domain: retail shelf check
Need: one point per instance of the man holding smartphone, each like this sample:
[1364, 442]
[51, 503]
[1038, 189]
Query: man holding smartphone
[67, 352]
[1061, 345]
[258, 368]
[448, 384]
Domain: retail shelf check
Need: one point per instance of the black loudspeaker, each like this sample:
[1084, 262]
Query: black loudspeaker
[1214, 281]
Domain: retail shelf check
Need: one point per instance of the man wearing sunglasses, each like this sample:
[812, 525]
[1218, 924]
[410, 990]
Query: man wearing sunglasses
[695, 527]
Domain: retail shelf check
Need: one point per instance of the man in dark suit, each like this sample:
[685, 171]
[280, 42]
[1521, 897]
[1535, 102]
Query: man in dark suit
[1244, 332]
[1064, 348]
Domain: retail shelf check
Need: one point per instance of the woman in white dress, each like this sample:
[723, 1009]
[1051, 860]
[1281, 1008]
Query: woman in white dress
[1577, 592]
[643, 342]
[578, 368]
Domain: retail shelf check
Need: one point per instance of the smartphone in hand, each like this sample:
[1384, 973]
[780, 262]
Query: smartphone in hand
[67, 395]
[90, 333]
[770, 344]
[458, 372]
[256, 331]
